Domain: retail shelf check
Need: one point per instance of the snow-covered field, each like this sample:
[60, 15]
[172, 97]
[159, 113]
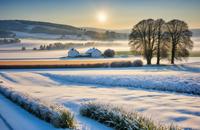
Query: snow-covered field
[141, 89]
[72, 87]
[59, 54]
[165, 81]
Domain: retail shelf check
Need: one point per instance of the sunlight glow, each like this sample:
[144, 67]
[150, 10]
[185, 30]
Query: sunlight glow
[102, 17]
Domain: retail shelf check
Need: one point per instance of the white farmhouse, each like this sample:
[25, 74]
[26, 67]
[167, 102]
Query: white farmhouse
[93, 52]
[73, 53]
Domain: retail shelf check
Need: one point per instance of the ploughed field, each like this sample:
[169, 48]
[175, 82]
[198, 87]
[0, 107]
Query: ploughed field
[54, 62]
[58, 63]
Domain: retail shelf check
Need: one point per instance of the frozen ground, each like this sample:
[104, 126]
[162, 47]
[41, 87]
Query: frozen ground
[59, 54]
[13, 117]
[181, 78]
[55, 85]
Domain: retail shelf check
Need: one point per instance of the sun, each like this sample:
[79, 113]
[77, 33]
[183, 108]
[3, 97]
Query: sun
[102, 17]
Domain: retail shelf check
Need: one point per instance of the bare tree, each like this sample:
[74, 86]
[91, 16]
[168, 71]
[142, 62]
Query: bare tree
[143, 37]
[180, 37]
[162, 45]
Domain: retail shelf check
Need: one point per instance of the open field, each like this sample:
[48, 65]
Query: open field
[56, 62]
[79, 62]
[73, 87]
[167, 93]
[99, 65]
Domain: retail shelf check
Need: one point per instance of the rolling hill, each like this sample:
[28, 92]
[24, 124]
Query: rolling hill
[37, 29]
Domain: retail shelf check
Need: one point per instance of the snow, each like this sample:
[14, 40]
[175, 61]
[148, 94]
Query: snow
[32, 55]
[35, 35]
[20, 119]
[44, 110]
[59, 54]
[4, 124]
[186, 83]
[53, 86]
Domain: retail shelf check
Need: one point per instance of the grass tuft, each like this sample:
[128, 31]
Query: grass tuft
[55, 114]
[120, 119]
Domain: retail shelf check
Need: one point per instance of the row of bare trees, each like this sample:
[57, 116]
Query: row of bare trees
[170, 40]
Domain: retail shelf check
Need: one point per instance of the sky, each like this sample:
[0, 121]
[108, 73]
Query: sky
[108, 14]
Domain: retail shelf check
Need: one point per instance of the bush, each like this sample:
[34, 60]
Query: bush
[109, 53]
[120, 119]
[121, 64]
[55, 114]
[137, 63]
[23, 48]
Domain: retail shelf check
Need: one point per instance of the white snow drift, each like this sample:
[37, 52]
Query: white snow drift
[184, 84]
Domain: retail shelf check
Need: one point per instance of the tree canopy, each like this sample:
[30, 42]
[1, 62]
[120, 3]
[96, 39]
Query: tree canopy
[157, 38]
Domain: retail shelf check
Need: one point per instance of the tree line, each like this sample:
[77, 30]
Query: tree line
[9, 40]
[170, 40]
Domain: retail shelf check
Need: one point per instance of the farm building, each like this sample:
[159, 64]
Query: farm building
[93, 52]
[73, 53]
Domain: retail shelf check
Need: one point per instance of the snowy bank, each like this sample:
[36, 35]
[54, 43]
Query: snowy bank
[13, 117]
[174, 83]
[55, 114]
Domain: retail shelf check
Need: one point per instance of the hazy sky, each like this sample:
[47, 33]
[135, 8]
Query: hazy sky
[112, 14]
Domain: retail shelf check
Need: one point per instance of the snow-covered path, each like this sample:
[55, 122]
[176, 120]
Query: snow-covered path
[166, 107]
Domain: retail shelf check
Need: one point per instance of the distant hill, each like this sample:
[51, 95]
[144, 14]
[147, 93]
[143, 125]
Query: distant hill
[37, 29]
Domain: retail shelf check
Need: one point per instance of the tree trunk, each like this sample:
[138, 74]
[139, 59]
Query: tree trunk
[158, 54]
[148, 57]
[158, 48]
[148, 60]
[173, 52]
